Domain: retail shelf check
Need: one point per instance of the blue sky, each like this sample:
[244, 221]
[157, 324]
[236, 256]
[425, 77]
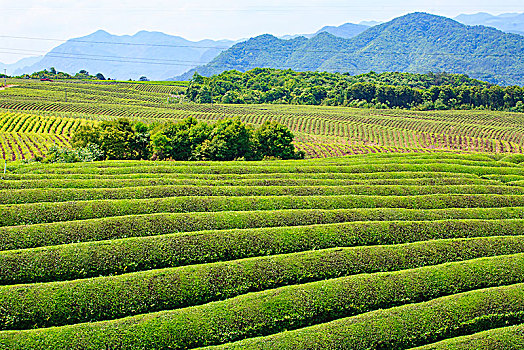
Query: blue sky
[200, 19]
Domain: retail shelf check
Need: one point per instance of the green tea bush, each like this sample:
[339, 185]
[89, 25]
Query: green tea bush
[30, 236]
[55, 304]
[292, 307]
[91, 259]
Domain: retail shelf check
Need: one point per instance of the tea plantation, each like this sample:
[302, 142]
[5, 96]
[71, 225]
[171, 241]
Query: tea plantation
[377, 251]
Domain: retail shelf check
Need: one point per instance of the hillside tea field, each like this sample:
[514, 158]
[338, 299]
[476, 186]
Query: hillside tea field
[377, 251]
[35, 115]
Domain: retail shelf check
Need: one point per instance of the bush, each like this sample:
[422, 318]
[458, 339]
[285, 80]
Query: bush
[499, 338]
[91, 152]
[91, 259]
[255, 314]
[35, 213]
[275, 140]
[405, 326]
[82, 194]
[55, 304]
[30, 236]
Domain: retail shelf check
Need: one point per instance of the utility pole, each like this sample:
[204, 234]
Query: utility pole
[5, 77]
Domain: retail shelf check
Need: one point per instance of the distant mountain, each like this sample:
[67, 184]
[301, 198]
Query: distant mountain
[346, 30]
[24, 62]
[153, 54]
[416, 43]
[507, 22]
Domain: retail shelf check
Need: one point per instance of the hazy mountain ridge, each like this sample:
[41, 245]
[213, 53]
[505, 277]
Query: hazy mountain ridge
[154, 54]
[507, 22]
[416, 43]
[20, 64]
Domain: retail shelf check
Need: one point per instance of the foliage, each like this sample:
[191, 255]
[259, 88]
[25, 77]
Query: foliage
[89, 153]
[417, 42]
[117, 139]
[112, 254]
[275, 140]
[391, 90]
[225, 140]
[135, 289]
[52, 73]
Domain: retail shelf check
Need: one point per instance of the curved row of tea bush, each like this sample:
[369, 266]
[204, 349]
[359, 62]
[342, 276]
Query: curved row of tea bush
[44, 212]
[64, 232]
[377, 160]
[86, 194]
[506, 338]
[102, 258]
[291, 307]
[103, 298]
[255, 176]
[297, 181]
[268, 169]
[401, 327]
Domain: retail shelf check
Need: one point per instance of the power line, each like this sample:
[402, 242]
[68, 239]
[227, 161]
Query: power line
[246, 66]
[284, 49]
[258, 49]
[104, 56]
[110, 60]
[114, 43]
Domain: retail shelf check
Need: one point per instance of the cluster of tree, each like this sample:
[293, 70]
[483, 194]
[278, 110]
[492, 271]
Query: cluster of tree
[189, 139]
[385, 90]
[52, 73]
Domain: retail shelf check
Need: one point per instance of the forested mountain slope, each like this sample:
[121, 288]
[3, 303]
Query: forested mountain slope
[417, 43]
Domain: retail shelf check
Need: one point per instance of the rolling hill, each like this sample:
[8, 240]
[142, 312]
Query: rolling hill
[417, 43]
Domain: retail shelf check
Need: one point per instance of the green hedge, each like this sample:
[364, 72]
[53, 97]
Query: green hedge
[405, 326]
[55, 304]
[355, 161]
[83, 194]
[181, 176]
[504, 338]
[135, 182]
[34, 213]
[297, 167]
[292, 307]
[31, 236]
[104, 258]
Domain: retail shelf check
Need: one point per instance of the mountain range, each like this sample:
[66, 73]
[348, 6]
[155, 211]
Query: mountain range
[152, 54]
[412, 43]
[507, 22]
[416, 43]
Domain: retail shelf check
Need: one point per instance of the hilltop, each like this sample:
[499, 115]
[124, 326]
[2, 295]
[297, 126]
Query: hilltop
[417, 43]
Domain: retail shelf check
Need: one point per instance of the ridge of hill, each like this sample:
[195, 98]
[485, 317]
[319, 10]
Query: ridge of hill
[416, 43]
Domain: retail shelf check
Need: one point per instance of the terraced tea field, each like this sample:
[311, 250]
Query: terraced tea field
[320, 131]
[377, 251]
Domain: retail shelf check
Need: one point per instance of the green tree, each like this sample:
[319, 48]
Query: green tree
[85, 135]
[230, 139]
[173, 140]
[275, 140]
[117, 138]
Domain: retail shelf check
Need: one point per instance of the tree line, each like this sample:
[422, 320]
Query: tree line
[386, 90]
[188, 139]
